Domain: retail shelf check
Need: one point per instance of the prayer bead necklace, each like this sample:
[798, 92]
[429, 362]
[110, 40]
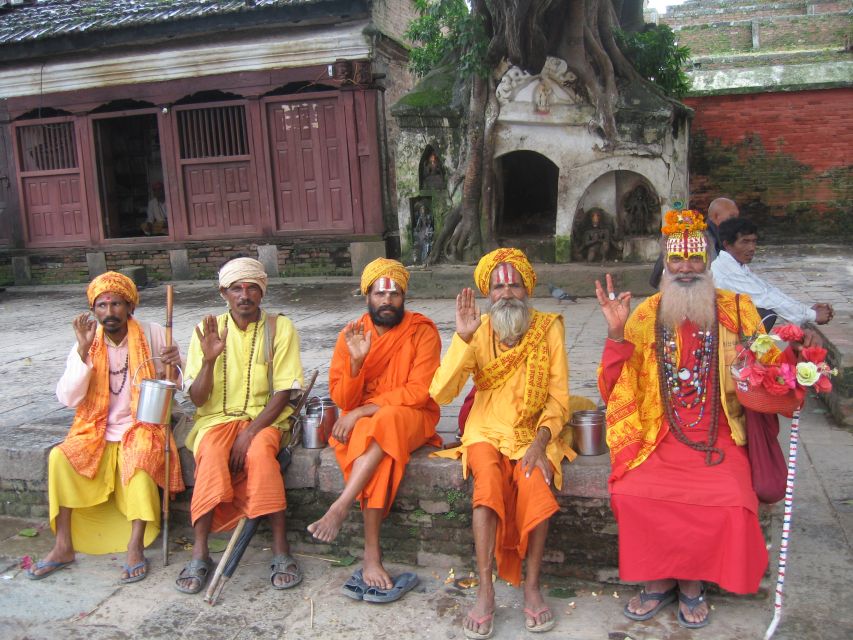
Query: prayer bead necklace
[123, 372]
[706, 375]
[248, 376]
[688, 387]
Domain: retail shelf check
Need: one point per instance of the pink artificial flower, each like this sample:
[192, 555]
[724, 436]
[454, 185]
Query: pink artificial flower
[789, 333]
[753, 373]
[774, 382]
[789, 375]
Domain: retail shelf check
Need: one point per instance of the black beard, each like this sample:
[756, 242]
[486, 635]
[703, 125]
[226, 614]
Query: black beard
[386, 321]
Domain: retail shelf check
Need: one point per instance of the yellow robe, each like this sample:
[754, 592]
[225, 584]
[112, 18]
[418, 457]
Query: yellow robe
[494, 411]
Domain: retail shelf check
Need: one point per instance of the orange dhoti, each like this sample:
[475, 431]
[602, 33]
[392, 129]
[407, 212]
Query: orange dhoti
[398, 431]
[520, 503]
[256, 491]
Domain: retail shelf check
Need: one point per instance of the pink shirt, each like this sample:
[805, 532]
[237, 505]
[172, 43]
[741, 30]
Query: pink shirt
[74, 383]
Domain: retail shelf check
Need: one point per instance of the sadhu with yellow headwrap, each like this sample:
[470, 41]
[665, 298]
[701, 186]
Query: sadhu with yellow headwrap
[103, 478]
[511, 443]
[241, 369]
[379, 377]
[680, 480]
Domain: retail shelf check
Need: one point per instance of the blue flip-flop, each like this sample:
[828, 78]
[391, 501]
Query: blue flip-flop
[52, 567]
[402, 584]
[355, 587]
[130, 569]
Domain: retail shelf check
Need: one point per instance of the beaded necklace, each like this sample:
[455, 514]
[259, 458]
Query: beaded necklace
[702, 386]
[123, 372]
[248, 376]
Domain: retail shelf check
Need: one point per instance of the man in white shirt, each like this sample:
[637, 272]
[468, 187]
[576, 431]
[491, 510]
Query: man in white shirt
[157, 216]
[739, 238]
[103, 478]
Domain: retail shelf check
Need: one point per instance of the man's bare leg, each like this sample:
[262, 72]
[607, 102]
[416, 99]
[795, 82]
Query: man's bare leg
[636, 605]
[485, 524]
[135, 548]
[280, 545]
[327, 528]
[533, 599]
[374, 573]
[63, 549]
[691, 589]
[201, 531]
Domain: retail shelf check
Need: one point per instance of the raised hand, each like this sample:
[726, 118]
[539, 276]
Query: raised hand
[467, 314]
[85, 327]
[358, 343]
[616, 308]
[212, 344]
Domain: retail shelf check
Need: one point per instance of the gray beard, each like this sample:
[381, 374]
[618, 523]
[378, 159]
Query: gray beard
[510, 319]
[694, 301]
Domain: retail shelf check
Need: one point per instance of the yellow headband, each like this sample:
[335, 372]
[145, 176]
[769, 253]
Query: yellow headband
[112, 282]
[684, 231]
[515, 257]
[384, 267]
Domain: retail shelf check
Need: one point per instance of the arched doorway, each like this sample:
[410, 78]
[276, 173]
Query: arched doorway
[526, 204]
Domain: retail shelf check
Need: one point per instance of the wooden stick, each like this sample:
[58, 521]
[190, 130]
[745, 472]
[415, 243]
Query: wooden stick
[217, 581]
[167, 432]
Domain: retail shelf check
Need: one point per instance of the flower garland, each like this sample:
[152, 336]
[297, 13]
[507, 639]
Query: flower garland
[677, 221]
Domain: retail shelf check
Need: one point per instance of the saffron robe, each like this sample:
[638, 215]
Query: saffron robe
[395, 376]
[678, 517]
[498, 481]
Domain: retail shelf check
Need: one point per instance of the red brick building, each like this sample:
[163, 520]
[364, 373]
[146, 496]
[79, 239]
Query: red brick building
[773, 96]
[177, 134]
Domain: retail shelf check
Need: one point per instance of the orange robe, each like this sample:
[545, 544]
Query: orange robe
[395, 376]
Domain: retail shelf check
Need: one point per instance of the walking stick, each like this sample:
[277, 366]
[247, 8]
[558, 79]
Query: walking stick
[786, 524]
[167, 432]
[247, 527]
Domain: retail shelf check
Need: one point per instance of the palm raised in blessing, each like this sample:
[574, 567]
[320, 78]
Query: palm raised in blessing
[615, 308]
[467, 314]
[212, 344]
[357, 341]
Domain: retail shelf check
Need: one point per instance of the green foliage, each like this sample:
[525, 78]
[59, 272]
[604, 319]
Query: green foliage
[655, 53]
[447, 27]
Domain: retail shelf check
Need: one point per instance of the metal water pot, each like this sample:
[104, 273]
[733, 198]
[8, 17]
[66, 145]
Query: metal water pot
[590, 432]
[155, 397]
[325, 412]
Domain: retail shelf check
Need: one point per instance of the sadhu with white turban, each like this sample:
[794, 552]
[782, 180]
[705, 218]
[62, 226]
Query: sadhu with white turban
[511, 443]
[241, 369]
[380, 374]
[103, 478]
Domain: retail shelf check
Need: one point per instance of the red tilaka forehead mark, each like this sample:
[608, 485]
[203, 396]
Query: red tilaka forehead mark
[506, 274]
[385, 284]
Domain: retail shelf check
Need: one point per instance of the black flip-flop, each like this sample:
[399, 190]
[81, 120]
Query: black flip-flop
[355, 587]
[692, 603]
[663, 599]
[402, 584]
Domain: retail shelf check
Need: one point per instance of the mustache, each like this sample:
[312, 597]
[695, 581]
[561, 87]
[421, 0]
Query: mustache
[110, 319]
[386, 307]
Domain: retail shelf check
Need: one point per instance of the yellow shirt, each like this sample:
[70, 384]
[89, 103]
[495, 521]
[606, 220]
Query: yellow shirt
[245, 366]
[494, 411]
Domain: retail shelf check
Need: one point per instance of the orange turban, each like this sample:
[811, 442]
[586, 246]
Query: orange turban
[384, 267]
[113, 282]
[515, 257]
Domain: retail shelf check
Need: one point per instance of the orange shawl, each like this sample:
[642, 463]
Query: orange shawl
[143, 444]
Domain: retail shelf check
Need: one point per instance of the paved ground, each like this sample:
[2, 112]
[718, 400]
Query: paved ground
[86, 602]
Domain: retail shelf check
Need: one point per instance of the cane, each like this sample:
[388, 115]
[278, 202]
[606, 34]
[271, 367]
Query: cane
[786, 524]
[167, 432]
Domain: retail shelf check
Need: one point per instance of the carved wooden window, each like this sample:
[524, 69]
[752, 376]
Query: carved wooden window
[213, 132]
[47, 147]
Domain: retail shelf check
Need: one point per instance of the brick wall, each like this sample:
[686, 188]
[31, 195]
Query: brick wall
[392, 17]
[784, 157]
[804, 32]
[712, 38]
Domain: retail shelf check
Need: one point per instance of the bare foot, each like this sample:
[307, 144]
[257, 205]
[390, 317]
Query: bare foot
[636, 605]
[480, 618]
[135, 556]
[59, 553]
[692, 589]
[374, 574]
[327, 528]
[536, 612]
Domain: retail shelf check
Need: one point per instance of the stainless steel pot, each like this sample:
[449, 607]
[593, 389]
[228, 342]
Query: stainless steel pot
[590, 432]
[155, 397]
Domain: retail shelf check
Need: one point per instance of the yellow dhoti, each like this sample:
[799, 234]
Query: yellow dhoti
[102, 507]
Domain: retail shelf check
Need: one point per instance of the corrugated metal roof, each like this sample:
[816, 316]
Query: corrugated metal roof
[50, 18]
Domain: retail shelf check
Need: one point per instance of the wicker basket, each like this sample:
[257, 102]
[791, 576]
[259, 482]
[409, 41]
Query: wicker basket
[761, 400]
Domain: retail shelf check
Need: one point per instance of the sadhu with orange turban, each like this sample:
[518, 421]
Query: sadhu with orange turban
[511, 442]
[103, 478]
[379, 377]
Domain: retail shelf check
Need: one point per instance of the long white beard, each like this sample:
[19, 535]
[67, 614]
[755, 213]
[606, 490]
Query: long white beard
[510, 319]
[695, 300]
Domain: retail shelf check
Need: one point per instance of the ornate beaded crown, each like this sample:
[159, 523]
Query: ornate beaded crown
[685, 233]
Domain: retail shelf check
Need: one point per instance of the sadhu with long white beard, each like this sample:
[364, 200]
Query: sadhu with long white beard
[511, 440]
[680, 480]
